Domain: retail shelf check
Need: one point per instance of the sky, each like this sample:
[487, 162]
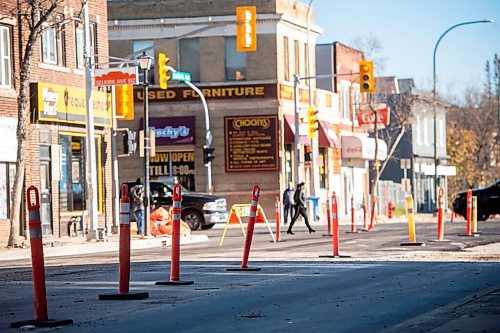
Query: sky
[408, 31]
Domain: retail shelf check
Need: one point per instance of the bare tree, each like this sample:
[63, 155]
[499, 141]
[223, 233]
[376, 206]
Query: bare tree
[33, 16]
[372, 48]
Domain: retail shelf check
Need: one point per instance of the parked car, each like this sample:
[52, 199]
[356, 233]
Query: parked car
[488, 201]
[199, 210]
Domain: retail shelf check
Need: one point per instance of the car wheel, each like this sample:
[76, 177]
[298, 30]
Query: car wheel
[207, 226]
[193, 219]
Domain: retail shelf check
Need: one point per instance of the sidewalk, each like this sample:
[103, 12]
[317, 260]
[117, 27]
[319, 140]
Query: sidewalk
[55, 247]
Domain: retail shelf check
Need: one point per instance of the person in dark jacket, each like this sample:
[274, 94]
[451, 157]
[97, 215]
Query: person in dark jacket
[300, 208]
[288, 203]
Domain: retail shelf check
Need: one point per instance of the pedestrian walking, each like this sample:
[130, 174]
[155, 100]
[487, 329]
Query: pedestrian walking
[137, 196]
[288, 203]
[300, 208]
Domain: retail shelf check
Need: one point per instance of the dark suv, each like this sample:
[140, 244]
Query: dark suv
[199, 210]
[488, 201]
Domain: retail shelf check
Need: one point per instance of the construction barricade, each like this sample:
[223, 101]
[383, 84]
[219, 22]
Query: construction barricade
[238, 211]
[38, 267]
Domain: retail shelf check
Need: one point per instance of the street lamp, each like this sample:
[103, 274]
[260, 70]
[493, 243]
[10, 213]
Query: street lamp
[145, 62]
[436, 160]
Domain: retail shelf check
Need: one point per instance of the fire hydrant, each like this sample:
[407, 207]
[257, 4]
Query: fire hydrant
[391, 210]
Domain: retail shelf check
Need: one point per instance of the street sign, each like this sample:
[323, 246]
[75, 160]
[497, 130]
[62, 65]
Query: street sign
[405, 163]
[116, 76]
[405, 182]
[181, 76]
[367, 117]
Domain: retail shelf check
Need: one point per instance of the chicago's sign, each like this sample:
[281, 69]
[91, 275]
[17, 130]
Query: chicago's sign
[367, 117]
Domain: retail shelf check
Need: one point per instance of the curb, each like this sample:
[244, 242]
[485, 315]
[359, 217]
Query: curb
[95, 247]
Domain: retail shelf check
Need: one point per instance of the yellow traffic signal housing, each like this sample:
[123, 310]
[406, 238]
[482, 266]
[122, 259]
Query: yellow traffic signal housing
[366, 79]
[312, 121]
[246, 29]
[163, 70]
[124, 101]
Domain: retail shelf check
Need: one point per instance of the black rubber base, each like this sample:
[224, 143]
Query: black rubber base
[42, 323]
[277, 241]
[363, 230]
[332, 256]
[412, 244]
[327, 235]
[243, 269]
[472, 235]
[174, 283]
[123, 297]
[352, 232]
[439, 241]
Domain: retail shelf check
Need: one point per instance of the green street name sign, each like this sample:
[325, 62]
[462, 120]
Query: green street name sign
[181, 76]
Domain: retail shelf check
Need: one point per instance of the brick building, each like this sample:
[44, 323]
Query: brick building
[250, 96]
[55, 159]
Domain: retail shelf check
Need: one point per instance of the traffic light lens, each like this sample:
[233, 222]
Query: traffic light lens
[366, 86]
[366, 77]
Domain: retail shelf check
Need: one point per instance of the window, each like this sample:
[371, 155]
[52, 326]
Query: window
[236, 62]
[322, 168]
[53, 48]
[189, 57]
[5, 57]
[80, 44]
[344, 92]
[287, 59]
[306, 57]
[297, 57]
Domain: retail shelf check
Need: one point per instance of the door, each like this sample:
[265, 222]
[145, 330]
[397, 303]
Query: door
[45, 198]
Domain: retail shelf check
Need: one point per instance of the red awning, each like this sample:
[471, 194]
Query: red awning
[327, 136]
[290, 131]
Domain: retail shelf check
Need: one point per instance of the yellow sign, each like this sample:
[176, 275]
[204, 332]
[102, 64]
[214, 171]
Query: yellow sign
[68, 104]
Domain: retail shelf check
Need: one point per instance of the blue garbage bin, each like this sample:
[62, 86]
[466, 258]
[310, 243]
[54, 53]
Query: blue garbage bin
[315, 203]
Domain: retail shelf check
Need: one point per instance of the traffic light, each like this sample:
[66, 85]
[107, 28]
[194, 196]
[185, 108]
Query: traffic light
[124, 101]
[163, 70]
[208, 154]
[246, 29]
[129, 142]
[366, 79]
[307, 153]
[312, 121]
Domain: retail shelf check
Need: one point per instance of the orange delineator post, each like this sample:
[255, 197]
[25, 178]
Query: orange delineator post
[124, 254]
[372, 216]
[250, 228]
[38, 265]
[353, 225]
[124, 270]
[452, 216]
[474, 215]
[175, 251]
[364, 216]
[335, 227]
[328, 219]
[440, 232]
[277, 209]
[410, 213]
[468, 228]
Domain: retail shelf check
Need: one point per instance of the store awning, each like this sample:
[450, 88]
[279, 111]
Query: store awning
[290, 131]
[363, 148]
[327, 136]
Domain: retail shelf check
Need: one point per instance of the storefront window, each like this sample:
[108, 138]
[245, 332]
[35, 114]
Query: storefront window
[288, 164]
[3, 191]
[322, 167]
[177, 164]
[72, 183]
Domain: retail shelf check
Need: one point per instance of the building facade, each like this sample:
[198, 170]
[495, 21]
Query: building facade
[250, 97]
[55, 157]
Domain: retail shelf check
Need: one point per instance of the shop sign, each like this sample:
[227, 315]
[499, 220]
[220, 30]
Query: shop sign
[116, 76]
[170, 131]
[367, 117]
[251, 143]
[178, 164]
[8, 148]
[362, 148]
[65, 104]
[182, 94]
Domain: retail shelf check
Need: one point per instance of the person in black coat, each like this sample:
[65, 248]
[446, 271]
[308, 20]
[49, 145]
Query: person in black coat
[288, 203]
[300, 209]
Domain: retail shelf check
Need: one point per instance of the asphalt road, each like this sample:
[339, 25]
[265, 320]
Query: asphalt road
[381, 285]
